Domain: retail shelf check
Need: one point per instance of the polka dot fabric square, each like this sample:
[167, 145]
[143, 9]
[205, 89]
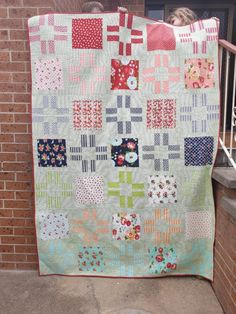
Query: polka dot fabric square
[48, 74]
[54, 226]
[198, 151]
[198, 225]
[87, 33]
[89, 190]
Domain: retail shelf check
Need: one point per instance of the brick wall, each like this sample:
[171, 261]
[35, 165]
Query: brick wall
[224, 283]
[17, 240]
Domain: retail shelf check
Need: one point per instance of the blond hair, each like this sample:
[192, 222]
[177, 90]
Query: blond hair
[87, 7]
[185, 15]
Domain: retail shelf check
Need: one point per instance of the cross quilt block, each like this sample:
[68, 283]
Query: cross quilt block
[125, 114]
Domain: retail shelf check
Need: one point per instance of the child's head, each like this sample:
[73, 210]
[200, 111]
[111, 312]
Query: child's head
[181, 17]
[92, 7]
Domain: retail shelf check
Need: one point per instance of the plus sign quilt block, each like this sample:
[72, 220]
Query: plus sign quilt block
[125, 114]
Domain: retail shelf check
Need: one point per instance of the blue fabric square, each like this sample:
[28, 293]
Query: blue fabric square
[51, 153]
[198, 151]
[124, 152]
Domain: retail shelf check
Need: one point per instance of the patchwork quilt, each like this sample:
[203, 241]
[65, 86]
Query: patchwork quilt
[125, 114]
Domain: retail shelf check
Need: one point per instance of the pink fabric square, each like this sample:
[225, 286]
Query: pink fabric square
[48, 74]
[87, 114]
[87, 33]
[161, 113]
[199, 73]
[160, 37]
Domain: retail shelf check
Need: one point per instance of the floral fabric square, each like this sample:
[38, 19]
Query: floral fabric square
[126, 226]
[48, 74]
[91, 259]
[124, 152]
[162, 189]
[124, 74]
[87, 33]
[89, 190]
[198, 225]
[199, 73]
[51, 153]
[162, 260]
[53, 226]
[161, 114]
[87, 114]
[198, 151]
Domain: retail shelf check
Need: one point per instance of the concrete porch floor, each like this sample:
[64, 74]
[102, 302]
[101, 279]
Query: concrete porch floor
[25, 292]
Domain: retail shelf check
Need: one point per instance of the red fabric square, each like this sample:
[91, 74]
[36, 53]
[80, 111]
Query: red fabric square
[87, 33]
[124, 75]
[160, 37]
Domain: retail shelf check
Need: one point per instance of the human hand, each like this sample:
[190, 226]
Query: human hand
[122, 10]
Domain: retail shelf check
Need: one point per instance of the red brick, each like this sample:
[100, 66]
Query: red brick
[17, 204]
[16, 166]
[15, 147]
[5, 77]
[11, 3]
[5, 213]
[6, 195]
[13, 107]
[32, 258]
[7, 156]
[1, 185]
[13, 87]
[7, 248]
[6, 117]
[24, 231]
[6, 230]
[27, 266]
[22, 12]
[21, 77]
[4, 34]
[29, 223]
[18, 35]
[25, 176]
[4, 56]
[23, 138]
[14, 128]
[25, 118]
[38, 4]
[7, 265]
[27, 64]
[31, 240]
[11, 24]
[5, 98]
[13, 240]
[44, 10]
[12, 45]
[26, 157]
[14, 257]
[3, 12]
[29, 87]
[20, 186]
[6, 138]
[24, 195]
[18, 213]
[25, 249]
[12, 67]
[7, 176]
[20, 56]
[22, 98]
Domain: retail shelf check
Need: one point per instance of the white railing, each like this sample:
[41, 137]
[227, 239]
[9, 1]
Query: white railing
[227, 145]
